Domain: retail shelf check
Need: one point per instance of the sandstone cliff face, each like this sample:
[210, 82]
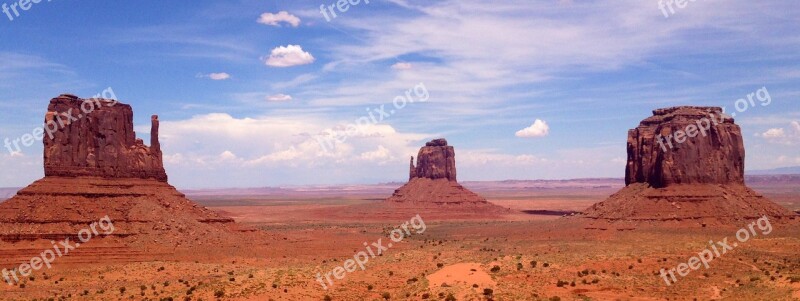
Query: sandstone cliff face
[685, 145]
[436, 160]
[99, 142]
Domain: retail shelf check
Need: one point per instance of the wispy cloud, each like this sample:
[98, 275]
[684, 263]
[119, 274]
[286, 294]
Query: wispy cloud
[277, 19]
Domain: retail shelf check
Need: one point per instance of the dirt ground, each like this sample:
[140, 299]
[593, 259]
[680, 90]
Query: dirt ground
[522, 256]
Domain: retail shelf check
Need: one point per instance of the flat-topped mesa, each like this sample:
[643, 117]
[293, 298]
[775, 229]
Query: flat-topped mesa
[685, 145]
[436, 160]
[95, 138]
[685, 168]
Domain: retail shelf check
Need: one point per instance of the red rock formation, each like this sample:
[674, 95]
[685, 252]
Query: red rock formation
[432, 183]
[685, 164]
[436, 160]
[96, 138]
[686, 145]
[95, 167]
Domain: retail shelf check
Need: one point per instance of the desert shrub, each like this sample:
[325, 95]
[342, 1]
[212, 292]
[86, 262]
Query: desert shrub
[519, 266]
[386, 296]
[533, 264]
[450, 297]
[219, 293]
[488, 292]
[327, 298]
[495, 269]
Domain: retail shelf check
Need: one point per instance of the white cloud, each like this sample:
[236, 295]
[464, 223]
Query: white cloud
[215, 76]
[381, 154]
[783, 136]
[539, 128]
[279, 97]
[402, 66]
[774, 133]
[219, 76]
[291, 55]
[227, 155]
[276, 19]
[272, 150]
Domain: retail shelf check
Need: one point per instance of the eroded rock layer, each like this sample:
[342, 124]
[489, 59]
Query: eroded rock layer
[58, 207]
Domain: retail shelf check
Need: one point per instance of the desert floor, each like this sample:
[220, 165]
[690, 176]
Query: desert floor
[522, 256]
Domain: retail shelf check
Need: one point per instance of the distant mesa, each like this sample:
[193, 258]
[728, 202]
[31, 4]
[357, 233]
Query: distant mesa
[94, 166]
[432, 182]
[697, 179]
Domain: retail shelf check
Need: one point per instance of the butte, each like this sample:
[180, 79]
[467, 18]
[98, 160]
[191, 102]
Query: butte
[688, 180]
[95, 167]
[432, 184]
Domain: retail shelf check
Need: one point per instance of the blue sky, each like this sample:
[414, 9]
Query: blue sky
[243, 90]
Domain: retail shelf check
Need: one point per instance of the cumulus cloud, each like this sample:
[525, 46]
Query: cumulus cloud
[774, 133]
[272, 150]
[287, 56]
[381, 154]
[215, 76]
[402, 66]
[783, 136]
[279, 97]
[276, 19]
[539, 128]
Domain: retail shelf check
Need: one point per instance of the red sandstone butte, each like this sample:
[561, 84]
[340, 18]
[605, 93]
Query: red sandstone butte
[436, 160]
[700, 180]
[100, 143]
[95, 167]
[714, 156]
[432, 182]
